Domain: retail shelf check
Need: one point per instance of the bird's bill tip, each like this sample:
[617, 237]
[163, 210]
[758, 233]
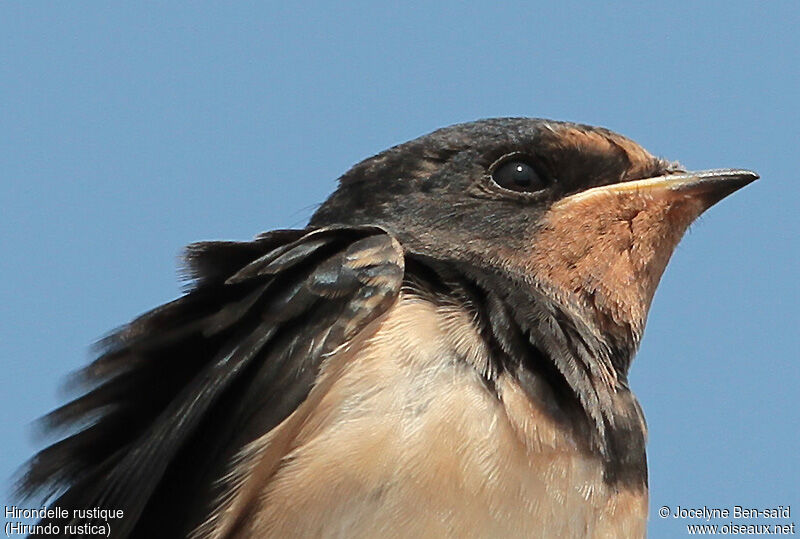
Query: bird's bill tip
[710, 185]
[727, 180]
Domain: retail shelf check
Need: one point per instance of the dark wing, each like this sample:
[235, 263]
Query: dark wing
[183, 387]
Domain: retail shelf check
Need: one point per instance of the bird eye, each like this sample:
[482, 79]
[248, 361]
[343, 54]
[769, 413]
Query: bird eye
[518, 175]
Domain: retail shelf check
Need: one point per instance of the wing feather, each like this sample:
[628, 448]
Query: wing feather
[175, 394]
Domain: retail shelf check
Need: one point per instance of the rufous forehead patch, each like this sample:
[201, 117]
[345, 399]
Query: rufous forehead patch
[603, 142]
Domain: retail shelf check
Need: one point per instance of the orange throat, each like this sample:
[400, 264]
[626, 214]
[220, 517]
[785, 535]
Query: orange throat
[603, 255]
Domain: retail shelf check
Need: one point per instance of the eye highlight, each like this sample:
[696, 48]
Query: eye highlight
[517, 174]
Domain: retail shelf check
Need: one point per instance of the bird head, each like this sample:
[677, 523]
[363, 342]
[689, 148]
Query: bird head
[580, 214]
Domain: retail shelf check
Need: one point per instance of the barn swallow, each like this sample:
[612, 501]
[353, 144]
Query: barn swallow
[442, 352]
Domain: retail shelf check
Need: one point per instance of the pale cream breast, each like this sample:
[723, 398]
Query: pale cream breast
[402, 437]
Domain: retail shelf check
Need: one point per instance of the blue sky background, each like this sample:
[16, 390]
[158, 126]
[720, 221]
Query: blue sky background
[130, 130]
